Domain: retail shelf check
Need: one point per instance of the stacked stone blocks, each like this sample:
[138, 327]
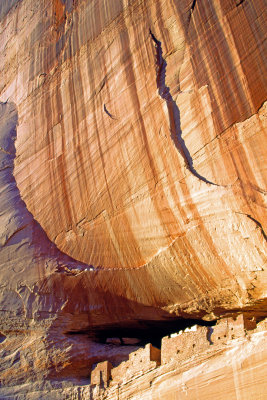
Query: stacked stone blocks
[177, 347]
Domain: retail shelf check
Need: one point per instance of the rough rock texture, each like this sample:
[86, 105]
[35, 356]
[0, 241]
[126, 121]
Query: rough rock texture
[133, 172]
[195, 365]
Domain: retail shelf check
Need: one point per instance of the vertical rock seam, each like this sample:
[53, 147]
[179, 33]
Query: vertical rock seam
[108, 113]
[173, 111]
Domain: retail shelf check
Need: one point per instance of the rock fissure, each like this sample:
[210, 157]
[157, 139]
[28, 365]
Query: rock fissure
[239, 3]
[193, 5]
[173, 111]
[256, 222]
[108, 113]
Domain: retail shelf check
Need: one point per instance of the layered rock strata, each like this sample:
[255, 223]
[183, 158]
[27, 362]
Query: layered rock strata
[133, 173]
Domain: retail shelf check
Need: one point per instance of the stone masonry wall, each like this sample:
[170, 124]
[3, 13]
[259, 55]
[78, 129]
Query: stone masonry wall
[139, 361]
[184, 345]
[177, 347]
[227, 329]
[101, 373]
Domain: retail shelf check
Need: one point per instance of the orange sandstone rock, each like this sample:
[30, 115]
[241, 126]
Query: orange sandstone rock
[132, 172]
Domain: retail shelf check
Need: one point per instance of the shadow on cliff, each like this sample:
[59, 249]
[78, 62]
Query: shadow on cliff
[113, 317]
[173, 110]
[18, 225]
[94, 297]
[74, 303]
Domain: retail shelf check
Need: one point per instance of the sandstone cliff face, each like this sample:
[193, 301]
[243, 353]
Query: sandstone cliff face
[133, 171]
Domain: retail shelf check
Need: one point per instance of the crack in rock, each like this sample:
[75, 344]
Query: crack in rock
[173, 111]
[257, 223]
[193, 5]
[108, 113]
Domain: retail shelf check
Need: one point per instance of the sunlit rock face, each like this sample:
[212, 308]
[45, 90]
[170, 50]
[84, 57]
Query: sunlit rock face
[133, 170]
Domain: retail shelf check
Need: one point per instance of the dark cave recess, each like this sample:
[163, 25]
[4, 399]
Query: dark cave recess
[145, 331]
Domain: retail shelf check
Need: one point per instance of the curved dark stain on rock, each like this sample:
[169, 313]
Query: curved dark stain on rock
[173, 111]
[108, 113]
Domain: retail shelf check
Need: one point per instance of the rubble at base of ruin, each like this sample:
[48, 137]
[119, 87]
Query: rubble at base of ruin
[176, 348]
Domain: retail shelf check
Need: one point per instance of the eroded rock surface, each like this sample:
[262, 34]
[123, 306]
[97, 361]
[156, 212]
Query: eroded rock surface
[133, 173]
